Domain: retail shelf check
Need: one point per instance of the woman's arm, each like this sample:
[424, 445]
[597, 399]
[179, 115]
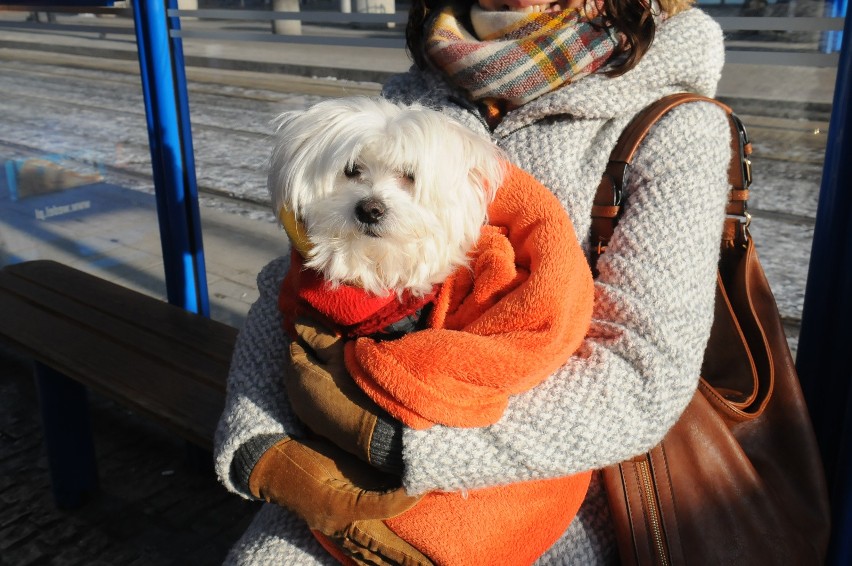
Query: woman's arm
[256, 413]
[639, 365]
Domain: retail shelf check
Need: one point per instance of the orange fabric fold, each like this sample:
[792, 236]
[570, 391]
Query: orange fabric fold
[510, 525]
[497, 329]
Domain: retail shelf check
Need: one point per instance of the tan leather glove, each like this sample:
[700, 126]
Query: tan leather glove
[329, 488]
[373, 543]
[323, 395]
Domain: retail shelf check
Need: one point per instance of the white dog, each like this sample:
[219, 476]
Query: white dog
[384, 197]
[385, 202]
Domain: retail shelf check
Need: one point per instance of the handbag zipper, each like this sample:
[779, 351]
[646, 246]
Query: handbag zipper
[653, 512]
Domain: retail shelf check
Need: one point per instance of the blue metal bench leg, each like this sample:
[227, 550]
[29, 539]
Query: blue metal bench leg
[198, 459]
[67, 437]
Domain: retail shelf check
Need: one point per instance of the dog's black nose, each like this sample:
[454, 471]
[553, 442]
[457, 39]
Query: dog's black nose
[370, 210]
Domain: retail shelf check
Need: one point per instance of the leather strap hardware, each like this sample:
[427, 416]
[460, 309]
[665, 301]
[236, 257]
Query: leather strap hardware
[745, 151]
[738, 478]
[606, 208]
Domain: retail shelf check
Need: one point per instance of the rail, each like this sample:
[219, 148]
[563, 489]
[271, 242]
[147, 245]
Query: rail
[323, 27]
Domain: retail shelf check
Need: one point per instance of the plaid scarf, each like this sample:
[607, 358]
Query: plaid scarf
[532, 54]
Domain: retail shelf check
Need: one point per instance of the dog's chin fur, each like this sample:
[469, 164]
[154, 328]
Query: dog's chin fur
[434, 177]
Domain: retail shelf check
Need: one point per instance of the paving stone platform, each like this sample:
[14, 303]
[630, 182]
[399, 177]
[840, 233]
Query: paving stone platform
[154, 507]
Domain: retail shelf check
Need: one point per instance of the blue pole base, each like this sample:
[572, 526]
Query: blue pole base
[67, 437]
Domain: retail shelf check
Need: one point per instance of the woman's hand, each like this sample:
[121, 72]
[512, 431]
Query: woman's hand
[330, 489]
[372, 542]
[322, 393]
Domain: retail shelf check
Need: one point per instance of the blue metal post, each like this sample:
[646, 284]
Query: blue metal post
[841, 544]
[67, 437]
[824, 359]
[170, 140]
[831, 40]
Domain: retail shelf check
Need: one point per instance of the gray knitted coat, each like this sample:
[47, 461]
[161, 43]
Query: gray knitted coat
[638, 367]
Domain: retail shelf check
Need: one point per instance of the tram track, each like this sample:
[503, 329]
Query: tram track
[199, 79]
[65, 103]
[19, 151]
[259, 87]
[26, 92]
[243, 86]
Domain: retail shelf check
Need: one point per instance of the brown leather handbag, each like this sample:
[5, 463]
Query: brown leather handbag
[738, 479]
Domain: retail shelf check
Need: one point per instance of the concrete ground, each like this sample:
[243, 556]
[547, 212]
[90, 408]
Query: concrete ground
[153, 508]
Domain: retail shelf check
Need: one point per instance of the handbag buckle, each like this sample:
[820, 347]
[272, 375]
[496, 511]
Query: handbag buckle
[745, 150]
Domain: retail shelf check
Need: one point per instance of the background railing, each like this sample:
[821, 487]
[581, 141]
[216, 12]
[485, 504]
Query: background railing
[805, 33]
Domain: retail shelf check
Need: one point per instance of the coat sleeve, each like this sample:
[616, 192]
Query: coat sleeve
[256, 405]
[638, 367]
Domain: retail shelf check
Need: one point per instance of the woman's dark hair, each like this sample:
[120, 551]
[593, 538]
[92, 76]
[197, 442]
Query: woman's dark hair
[632, 18]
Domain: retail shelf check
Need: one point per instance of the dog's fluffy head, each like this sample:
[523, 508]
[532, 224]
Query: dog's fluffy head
[391, 197]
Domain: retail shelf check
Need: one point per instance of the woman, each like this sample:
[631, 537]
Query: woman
[639, 364]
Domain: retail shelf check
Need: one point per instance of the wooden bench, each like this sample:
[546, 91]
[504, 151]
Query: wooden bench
[85, 332]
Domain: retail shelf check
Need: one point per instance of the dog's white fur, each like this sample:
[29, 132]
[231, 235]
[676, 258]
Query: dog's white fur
[433, 177]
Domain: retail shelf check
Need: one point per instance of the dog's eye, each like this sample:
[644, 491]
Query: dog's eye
[352, 171]
[409, 176]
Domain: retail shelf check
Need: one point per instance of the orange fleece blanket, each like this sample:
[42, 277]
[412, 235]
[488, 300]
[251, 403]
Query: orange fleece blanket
[496, 330]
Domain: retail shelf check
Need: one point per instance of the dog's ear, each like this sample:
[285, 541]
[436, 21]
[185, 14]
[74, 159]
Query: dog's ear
[295, 231]
[288, 162]
[278, 159]
[487, 161]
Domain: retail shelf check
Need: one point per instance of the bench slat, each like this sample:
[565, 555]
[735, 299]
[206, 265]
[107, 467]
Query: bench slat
[177, 377]
[174, 324]
[185, 341]
[191, 407]
[103, 329]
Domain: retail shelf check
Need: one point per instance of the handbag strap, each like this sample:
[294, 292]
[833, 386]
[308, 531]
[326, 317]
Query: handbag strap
[607, 205]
